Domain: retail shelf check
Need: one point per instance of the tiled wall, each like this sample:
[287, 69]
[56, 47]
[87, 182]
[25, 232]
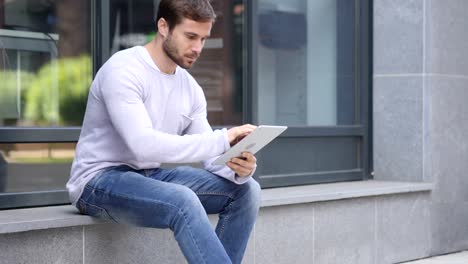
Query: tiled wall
[374, 230]
[420, 108]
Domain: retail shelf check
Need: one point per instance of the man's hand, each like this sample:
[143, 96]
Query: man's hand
[243, 166]
[235, 134]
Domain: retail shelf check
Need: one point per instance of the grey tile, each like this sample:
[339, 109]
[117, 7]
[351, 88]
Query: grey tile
[449, 134]
[402, 227]
[112, 243]
[249, 255]
[61, 245]
[446, 38]
[344, 232]
[398, 36]
[249, 251]
[284, 234]
[449, 227]
[397, 122]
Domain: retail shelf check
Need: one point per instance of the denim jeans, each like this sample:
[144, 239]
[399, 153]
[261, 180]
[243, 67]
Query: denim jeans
[179, 199]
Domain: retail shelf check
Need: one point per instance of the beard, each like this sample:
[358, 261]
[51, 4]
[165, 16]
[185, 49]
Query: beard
[172, 52]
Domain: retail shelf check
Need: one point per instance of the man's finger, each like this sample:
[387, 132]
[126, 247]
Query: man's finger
[249, 157]
[243, 163]
[239, 170]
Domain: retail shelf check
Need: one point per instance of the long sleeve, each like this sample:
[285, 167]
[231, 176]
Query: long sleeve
[123, 98]
[200, 124]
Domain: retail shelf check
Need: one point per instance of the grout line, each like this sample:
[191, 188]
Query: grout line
[313, 234]
[424, 38]
[254, 242]
[376, 249]
[398, 75]
[456, 76]
[83, 244]
[423, 123]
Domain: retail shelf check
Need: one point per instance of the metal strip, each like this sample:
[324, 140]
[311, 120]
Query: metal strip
[269, 181]
[38, 135]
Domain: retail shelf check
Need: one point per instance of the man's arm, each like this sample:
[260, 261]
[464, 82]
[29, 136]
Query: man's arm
[238, 171]
[123, 98]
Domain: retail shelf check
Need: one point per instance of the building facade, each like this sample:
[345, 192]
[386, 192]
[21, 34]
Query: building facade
[331, 194]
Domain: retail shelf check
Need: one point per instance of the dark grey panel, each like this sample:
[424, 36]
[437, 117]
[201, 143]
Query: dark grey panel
[35, 45]
[269, 181]
[35, 135]
[308, 155]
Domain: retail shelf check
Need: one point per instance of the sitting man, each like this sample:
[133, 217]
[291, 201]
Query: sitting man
[145, 109]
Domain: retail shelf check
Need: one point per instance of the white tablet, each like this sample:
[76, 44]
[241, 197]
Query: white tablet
[252, 143]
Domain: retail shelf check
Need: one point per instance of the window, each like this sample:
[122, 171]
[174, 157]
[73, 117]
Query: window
[305, 64]
[45, 73]
[310, 68]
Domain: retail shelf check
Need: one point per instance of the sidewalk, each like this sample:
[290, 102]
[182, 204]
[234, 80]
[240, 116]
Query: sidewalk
[454, 258]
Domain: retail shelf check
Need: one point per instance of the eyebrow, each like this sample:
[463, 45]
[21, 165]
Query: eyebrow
[195, 34]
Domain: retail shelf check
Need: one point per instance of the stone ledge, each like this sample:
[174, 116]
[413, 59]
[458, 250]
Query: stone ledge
[338, 191]
[20, 220]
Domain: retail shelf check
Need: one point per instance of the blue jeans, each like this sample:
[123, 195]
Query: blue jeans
[179, 199]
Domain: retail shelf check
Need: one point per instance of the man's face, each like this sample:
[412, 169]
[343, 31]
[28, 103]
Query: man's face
[185, 42]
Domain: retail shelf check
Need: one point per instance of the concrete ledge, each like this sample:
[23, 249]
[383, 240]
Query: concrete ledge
[338, 191]
[20, 220]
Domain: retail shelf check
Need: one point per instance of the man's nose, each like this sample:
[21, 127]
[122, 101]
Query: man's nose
[197, 47]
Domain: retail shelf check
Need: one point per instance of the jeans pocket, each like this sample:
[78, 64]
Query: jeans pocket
[93, 210]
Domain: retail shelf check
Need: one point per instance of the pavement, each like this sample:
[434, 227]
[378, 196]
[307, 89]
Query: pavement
[454, 258]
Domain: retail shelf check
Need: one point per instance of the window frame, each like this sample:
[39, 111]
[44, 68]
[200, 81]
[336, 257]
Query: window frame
[363, 79]
[99, 10]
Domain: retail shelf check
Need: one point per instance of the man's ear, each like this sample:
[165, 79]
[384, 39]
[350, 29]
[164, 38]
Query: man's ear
[163, 27]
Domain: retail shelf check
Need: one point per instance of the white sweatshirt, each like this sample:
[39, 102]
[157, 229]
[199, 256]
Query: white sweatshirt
[141, 117]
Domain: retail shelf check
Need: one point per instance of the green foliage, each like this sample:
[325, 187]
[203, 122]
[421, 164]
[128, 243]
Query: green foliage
[58, 94]
[12, 85]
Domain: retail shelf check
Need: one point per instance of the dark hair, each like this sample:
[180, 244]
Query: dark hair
[173, 11]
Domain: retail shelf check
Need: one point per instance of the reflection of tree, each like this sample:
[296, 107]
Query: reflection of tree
[73, 27]
[9, 110]
[74, 78]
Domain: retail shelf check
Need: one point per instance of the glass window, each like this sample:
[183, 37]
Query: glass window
[35, 167]
[218, 70]
[306, 62]
[299, 63]
[310, 72]
[45, 74]
[45, 63]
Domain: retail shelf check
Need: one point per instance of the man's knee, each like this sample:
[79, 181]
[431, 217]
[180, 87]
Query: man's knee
[185, 198]
[252, 193]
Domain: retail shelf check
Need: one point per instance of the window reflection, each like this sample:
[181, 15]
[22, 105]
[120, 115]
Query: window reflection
[306, 63]
[35, 167]
[219, 70]
[45, 63]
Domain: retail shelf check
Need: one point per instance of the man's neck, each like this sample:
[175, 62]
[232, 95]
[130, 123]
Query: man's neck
[159, 57]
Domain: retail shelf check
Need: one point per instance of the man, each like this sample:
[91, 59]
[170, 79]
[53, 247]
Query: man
[145, 109]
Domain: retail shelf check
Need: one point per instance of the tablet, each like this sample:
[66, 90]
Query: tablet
[252, 143]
